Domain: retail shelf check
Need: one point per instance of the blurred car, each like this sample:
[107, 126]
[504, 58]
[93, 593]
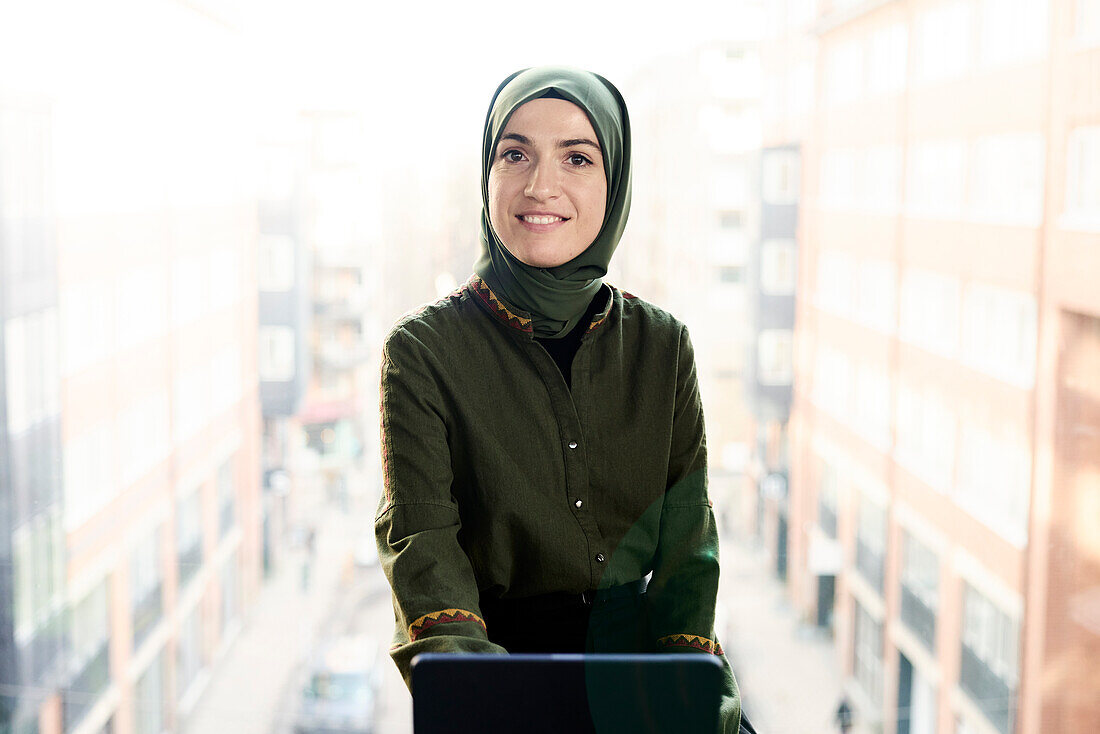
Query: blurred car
[340, 688]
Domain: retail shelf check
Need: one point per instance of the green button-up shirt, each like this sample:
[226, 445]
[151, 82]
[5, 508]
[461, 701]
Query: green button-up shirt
[502, 482]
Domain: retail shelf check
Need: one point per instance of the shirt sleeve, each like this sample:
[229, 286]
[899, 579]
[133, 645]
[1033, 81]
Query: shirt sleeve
[435, 595]
[683, 590]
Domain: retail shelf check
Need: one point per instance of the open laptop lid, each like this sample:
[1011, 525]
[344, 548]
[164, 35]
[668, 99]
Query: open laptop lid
[589, 694]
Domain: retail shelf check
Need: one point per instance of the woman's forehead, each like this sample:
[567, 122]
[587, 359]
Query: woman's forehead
[549, 117]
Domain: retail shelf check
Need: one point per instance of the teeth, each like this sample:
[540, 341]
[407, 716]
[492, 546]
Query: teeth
[542, 220]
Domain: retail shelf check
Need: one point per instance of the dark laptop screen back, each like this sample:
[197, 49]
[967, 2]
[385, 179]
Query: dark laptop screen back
[588, 694]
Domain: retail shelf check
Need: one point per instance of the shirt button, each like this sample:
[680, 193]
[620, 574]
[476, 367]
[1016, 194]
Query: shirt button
[572, 444]
[578, 504]
[599, 558]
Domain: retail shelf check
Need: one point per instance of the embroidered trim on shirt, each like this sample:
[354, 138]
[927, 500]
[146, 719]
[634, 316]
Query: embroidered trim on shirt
[428, 621]
[486, 294]
[693, 641]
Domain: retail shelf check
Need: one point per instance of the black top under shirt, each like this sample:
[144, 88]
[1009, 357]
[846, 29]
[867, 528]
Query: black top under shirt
[564, 349]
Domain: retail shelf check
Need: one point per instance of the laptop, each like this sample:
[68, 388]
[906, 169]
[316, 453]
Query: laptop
[589, 694]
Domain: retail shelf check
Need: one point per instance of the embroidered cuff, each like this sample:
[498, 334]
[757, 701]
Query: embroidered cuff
[693, 641]
[430, 620]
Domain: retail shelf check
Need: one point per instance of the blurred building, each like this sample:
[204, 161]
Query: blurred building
[338, 228]
[943, 438]
[787, 65]
[695, 123]
[130, 449]
[32, 538]
[284, 362]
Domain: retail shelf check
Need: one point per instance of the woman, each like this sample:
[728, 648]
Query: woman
[542, 432]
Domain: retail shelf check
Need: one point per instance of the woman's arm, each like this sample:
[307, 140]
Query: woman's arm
[683, 590]
[435, 595]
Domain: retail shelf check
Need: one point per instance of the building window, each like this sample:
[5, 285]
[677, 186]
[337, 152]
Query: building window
[871, 544]
[191, 401]
[731, 274]
[731, 219]
[225, 379]
[230, 588]
[87, 321]
[988, 668]
[1000, 333]
[867, 654]
[828, 499]
[227, 496]
[926, 430]
[872, 406]
[276, 266]
[877, 295]
[879, 191]
[838, 178]
[920, 582]
[994, 479]
[1087, 26]
[836, 283]
[145, 436]
[1083, 176]
[936, 176]
[1013, 31]
[189, 535]
[930, 311]
[149, 698]
[189, 659]
[89, 478]
[844, 72]
[225, 278]
[774, 356]
[31, 366]
[188, 290]
[1006, 179]
[781, 176]
[276, 362]
[778, 275]
[889, 46]
[90, 634]
[944, 41]
[833, 375]
[142, 311]
[145, 587]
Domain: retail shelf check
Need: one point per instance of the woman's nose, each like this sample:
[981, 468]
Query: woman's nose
[543, 182]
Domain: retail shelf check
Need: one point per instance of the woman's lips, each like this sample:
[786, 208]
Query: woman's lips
[541, 222]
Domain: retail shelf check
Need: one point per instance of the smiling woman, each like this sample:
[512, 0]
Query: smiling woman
[547, 190]
[544, 459]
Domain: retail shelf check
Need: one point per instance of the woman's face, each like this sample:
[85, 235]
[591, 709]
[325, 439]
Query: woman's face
[547, 186]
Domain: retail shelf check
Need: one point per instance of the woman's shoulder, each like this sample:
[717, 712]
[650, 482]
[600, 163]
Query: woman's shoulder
[638, 313]
[433, 321]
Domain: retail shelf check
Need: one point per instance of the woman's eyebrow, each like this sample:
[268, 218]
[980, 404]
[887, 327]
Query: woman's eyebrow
[577, 141]
[524, 140]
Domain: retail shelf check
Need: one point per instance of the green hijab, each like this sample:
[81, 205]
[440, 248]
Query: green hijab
[557, 297]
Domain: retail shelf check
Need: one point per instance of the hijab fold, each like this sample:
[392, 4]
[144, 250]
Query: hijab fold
[556, 298]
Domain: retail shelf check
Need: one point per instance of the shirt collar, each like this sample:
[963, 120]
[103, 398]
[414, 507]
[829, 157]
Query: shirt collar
[519, 320]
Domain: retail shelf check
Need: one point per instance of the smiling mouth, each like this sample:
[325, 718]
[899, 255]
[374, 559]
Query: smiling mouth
[540, 219]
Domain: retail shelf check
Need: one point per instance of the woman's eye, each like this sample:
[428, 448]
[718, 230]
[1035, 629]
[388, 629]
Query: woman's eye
[577, 159]
[512, 156]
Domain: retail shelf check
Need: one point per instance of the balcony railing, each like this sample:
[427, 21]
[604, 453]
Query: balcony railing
[146, 615]
[870, 565]
[994, 696]
[826, 518]
[918, 617]
[86, 687]
[190, 561]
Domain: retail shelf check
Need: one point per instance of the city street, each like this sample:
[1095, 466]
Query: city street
[786, 671]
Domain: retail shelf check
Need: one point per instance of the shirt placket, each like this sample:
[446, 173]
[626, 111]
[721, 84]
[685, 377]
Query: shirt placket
[575, 454]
